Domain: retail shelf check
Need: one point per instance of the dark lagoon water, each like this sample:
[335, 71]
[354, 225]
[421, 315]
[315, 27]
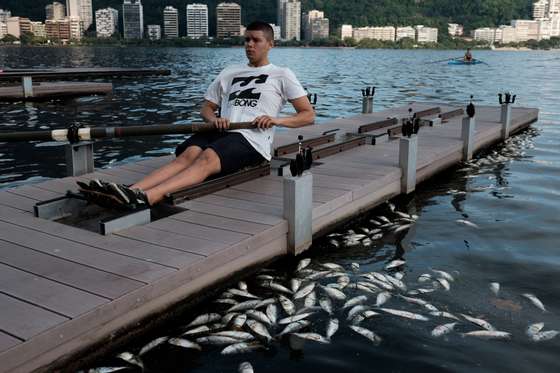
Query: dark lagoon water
[513, 198]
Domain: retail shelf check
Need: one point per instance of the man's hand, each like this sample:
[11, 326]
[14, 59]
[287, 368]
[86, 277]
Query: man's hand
[221, 123]
[264, 121]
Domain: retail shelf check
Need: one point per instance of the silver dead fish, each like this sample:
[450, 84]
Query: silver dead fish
[292, 319]
[366, 333]
[303, 292]
[156, 342]
[405, 314]
[287, 305]
[312, 337]
[545, 336]
[534, 328]
[395, 263]
[181, 342]
[443, 329]
[245, 367]
[241, 348]
[332, 327]
[536, 301]
[259, 329]
[482, 323]
[206, 319]
[488, 334]
[294, 327]
[326, 304]
[495, 288]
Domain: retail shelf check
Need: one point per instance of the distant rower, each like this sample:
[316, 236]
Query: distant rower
[468, 55]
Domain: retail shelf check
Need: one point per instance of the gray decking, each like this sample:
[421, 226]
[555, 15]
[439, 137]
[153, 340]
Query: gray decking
[63, 288]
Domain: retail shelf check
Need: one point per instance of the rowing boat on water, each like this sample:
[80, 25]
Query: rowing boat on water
[463, 62]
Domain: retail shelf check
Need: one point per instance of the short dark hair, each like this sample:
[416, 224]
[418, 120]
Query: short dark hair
[262, 26]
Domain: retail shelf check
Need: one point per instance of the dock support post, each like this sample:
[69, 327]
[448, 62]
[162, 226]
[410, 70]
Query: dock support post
[505, 119]
[408, 150]
[367, 104]
[298, 210]
[27, 85]
[79, 158]
[468, 130]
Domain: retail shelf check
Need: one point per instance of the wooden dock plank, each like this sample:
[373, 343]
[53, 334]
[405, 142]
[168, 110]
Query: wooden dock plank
[35, 193]
[115, 263]
[16, 201]
[233, 213]
[7, 341]
[24, 320]
[46, 293]
[101, 283]
[125, 246]
[198, 231]
[254, 206]
[173, 240]
[221, 222]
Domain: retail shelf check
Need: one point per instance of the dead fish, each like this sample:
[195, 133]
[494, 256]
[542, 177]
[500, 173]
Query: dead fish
[131, 359]
[405, 314]
[375, 222]
[181, 342]
[534, 328]
[242, 336]
[287, 305]
[198, 330]
[425, 277]
[482, 323]
[343, 281]
[334, 293]
[318, 275]
[395, 282]
[366, 333]
[356, 310]
[384, 219]
[425, 291]
[495, 288]
[377, 236]
[431, 307]
[245, 367]
[259, 316]
[368, 288]
[242, 285]
[545, 336]
[310, 300]
[312, 337]
[403, 215]
[266, 302]
[216, 340]
[277, 287]
[303, 292]
[444, 283]
[243, 293]
[247, 305]
[355, 267]
[332, 327]
[292, 319]
[207, 318]
[398, 275]
[259, 329]
[444, 314]
[418, 301]
[226, 301]
[488, 334]
[295, 284]
[467, 223]
[335, 243]
[106, 369]
[294, 327]
[354, 301]
[332, 266]
[241, 348]
[272, 313]
[443, 329]
[326, 305]
[153, 344]
[536, 301]
[239, 321]
[228, 317]
[395, 263]
[265, 277]
[302, 264]
[391, 206]
[382, 298]
[402, 228]
[444, 275]
[369, 313]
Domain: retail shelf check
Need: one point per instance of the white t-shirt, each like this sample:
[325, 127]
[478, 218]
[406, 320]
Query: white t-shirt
[244, 93]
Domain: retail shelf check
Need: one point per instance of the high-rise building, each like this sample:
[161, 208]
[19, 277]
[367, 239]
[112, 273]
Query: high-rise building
[4, 15]
[346, 31]
[170, 22]
[106, 22]
[133, 19]
[228, 17]
[487, 34]
[38, 29]
[277, 31]
[154, 32]
[507, 34]
[58, 30]
[82, 9]
[197, 20]
[280, 17]
[76, 27]
[426, 34]
[16, 26]
[315, 25]
[3, 29]
[292, 20]
[405, 32]
[540, 9]
[526, 29]
[55, 11]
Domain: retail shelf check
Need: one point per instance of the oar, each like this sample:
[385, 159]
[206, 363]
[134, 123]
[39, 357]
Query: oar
[445, 60]
[84, 133]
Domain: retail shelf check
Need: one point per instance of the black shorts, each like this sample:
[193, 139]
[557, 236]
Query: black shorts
[234, 150]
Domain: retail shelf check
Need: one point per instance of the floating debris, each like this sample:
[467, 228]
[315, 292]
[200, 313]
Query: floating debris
[495, 288]
[536, 301]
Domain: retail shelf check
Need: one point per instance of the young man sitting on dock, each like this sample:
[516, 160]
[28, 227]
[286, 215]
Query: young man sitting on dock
[253, 93]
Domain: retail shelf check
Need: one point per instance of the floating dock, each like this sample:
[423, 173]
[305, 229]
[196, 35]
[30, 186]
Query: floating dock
[66, 289]
[77, 73]
[48, 91]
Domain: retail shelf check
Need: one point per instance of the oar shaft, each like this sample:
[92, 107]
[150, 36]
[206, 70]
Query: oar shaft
[117, 132]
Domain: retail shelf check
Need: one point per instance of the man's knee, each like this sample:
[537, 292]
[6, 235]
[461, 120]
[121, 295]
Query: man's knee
[189, 155]
[209, 160]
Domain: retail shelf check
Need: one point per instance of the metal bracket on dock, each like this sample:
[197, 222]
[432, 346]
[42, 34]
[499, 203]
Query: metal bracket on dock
[294, 147]
[128, 220]
[298, 211]
[59, 208]
[79, 158]
[27, 85]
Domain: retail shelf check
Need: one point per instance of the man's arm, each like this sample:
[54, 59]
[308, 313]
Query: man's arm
[304, 115]
[208, 114]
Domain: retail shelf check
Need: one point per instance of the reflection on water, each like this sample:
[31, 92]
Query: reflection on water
[510, 194]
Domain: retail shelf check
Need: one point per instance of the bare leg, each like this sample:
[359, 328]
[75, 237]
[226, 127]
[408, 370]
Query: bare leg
[183, 161]
[206, 164]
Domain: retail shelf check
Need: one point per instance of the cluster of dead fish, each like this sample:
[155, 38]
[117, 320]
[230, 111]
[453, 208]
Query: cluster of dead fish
[379, 227]
[292, 308]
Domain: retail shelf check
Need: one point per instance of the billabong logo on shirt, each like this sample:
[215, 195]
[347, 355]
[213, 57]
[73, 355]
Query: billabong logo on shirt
[246, 97]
